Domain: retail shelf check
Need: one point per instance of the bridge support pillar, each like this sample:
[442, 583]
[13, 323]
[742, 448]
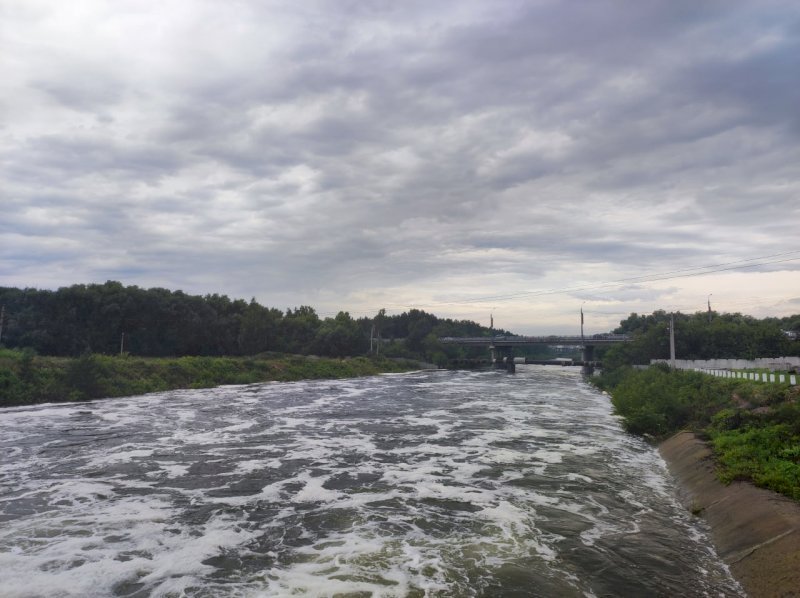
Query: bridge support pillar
[510, 366]
[588, 360]
[588, 353]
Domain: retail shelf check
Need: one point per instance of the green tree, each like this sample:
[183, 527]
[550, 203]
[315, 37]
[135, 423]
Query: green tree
[258, 330]
[298, 329]
[339, 337]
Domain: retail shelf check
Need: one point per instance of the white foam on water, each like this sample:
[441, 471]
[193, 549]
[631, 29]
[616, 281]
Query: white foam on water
[271, 493]
[347, 564]
[77, 552]
[251, 465]
[313, 491]
[119, 456]
[548, 456]
[238, 427]
[504, 456]
[173, 470]
[577, 477]
[510, 533]
[443, 428]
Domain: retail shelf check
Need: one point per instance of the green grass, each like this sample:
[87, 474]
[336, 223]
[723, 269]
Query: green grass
[26, 378]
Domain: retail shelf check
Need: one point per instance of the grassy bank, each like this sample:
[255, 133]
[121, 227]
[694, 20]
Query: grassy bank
[26, 378]
[754, 429]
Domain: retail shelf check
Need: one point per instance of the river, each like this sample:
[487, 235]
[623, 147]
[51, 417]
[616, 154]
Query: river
[424, 484]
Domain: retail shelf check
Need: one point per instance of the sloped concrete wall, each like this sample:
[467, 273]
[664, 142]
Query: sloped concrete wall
[756, 531]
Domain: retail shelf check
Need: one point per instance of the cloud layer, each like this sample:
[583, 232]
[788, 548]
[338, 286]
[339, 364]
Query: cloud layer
[355, 155]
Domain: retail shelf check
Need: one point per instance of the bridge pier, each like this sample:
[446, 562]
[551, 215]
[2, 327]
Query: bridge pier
[588, 353]
[588, 360]
[510, 365]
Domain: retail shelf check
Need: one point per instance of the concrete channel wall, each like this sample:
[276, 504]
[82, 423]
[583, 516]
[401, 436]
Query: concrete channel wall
[724, 368]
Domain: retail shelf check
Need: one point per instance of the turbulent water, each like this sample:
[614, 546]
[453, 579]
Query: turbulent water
[422, 484]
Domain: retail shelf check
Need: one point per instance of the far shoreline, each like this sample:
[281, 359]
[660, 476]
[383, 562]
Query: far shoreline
[27, 379]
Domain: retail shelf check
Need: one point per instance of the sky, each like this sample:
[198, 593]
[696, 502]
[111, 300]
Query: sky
[526, 159]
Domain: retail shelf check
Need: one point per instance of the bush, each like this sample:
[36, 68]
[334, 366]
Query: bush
[83, 377]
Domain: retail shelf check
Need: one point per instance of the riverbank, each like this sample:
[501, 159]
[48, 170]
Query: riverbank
[26, 378]
[756, 531]
[754, 429]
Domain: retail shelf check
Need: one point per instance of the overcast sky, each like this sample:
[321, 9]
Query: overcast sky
[463, 157]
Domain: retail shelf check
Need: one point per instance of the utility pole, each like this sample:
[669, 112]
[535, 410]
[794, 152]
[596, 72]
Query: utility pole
[377, 324]
[371, 337]
[672, 341]
[709, 306]
[122, 344]
[582, 321]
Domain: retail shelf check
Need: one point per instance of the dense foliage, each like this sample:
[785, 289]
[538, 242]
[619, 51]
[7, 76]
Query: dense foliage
[754, 428]
[27, 378]
[703, 336]
[159, 322]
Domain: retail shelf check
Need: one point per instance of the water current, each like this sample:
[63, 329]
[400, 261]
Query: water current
[423, 484]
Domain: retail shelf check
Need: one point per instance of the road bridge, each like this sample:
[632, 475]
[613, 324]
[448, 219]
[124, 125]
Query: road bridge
[502, 347]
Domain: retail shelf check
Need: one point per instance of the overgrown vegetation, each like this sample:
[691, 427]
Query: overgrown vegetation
[754, 428]
[27, 378]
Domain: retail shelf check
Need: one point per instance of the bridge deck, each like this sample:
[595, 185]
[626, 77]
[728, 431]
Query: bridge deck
[516, 341]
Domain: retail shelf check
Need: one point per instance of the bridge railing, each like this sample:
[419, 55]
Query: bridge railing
[594, 339]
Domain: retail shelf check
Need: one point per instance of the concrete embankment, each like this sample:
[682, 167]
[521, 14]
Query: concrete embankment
[756, 531]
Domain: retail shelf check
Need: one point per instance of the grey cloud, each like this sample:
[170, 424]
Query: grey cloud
[378, 145]
[90, 93]
[764, 86]
[60, 158]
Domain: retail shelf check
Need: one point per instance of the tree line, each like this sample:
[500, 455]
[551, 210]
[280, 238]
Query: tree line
[111, 318]
[704, 335]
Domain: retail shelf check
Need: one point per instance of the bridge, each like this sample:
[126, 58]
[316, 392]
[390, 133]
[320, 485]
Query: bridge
[502, 347]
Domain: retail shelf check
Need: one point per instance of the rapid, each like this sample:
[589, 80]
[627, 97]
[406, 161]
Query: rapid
[435, 483]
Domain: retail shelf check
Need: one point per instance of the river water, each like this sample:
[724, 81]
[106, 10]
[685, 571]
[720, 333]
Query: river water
[424, 484]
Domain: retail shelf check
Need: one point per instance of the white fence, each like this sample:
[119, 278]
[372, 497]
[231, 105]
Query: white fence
[754, 376]
[762, 363]
[724, 368]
